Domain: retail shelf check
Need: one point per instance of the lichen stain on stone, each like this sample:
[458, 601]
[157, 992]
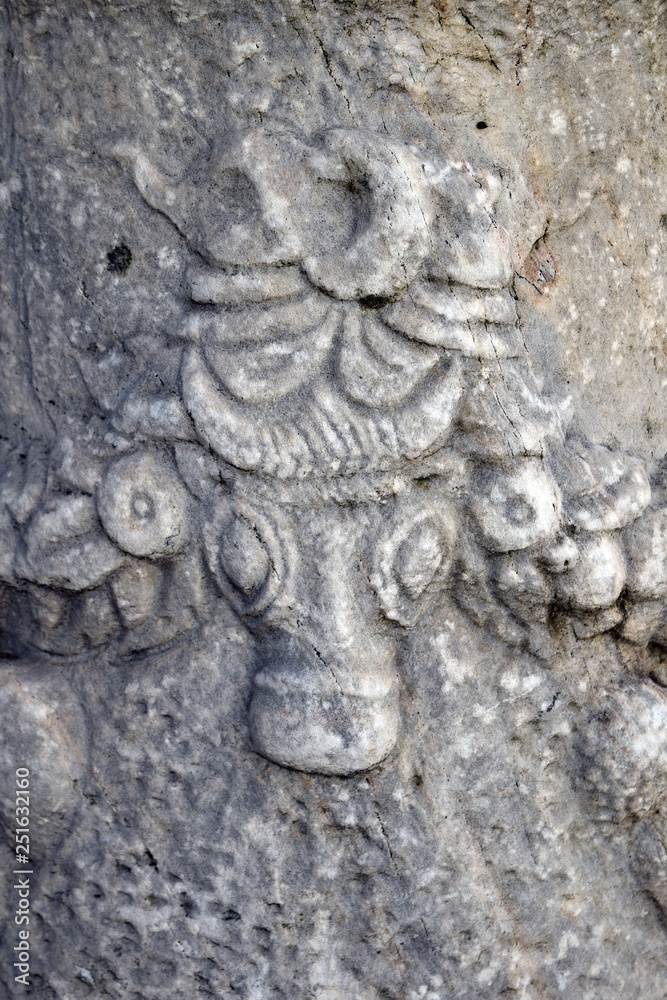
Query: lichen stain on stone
[540, 268]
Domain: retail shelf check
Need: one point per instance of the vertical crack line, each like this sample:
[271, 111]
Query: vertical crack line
[481, 37]
[329, 68]
[518, 63]
[385, 836]
[329, 668]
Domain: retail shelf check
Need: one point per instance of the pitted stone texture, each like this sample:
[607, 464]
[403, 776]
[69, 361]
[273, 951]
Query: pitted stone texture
[346, 317]
[465, 863]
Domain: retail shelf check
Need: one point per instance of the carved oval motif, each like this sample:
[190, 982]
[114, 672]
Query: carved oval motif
[418, 558]
[243, 557]
[251, 555]
[413, 557]
[597, 579]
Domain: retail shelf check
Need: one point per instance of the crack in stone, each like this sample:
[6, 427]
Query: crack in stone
[474, 27]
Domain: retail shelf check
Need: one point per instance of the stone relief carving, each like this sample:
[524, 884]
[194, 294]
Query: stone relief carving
[346, 426]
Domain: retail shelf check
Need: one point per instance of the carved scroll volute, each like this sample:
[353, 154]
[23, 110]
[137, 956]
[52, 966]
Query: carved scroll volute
[394, 212]
[234, 201]
[471, 248]
[361, 226]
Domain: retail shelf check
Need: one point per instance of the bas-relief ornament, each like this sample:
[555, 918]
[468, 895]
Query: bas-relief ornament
[351, 431]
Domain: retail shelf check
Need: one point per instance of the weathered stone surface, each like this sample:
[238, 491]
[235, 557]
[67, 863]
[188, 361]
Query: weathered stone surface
[332, 498]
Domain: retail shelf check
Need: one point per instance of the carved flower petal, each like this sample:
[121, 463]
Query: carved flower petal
[377, 366]
[65, 546]
[597, 579]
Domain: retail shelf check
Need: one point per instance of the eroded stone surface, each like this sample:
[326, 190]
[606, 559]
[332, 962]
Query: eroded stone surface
[331, 513]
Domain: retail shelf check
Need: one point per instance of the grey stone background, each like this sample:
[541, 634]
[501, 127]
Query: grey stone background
[573, 96]
[513, 845]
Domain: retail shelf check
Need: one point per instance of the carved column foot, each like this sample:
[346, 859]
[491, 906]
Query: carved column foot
[305, 717]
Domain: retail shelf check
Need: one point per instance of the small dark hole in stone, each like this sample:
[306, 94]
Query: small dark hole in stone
[663, 221]
[374, 301]
[119, 259]
[482, 125]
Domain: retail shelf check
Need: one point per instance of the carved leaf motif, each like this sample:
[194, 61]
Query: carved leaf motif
[458, 304]
[470, 247]
[267, 371]
[505, 415]
[325, 435]
[153, 416]
[376, 366]
[603, 489]
[65, 546]
[223, 328]
[478, 324]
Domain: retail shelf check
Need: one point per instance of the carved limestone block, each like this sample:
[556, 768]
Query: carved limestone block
[333, 503]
